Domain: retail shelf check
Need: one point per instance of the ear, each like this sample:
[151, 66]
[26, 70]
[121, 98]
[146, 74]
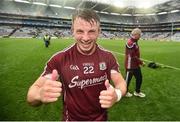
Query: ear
[99, 30]
[72, 30]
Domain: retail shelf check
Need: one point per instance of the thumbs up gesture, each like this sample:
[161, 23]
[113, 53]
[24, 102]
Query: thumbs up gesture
[50, 89]
[107, 97]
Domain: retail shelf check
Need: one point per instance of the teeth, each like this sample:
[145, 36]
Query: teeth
[85, 43]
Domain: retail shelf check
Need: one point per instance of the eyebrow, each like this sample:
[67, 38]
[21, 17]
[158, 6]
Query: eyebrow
[80, 30]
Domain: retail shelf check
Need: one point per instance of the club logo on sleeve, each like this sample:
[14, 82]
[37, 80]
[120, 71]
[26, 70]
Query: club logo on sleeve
[102, 66]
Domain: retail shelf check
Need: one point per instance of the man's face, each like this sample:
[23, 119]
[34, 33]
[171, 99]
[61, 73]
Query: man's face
[85, 34]
[137, 36]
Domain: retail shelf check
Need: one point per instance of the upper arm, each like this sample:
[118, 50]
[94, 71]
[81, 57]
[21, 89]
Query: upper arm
[51, 65]
[115, 74]
[130, 47]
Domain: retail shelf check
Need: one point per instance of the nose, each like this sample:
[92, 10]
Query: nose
[85, 37]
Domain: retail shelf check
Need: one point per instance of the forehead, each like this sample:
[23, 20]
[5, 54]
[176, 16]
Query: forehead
[82, 22]
[137, 34]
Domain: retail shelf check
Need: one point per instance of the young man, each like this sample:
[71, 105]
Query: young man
[133, 62]
[84, 70]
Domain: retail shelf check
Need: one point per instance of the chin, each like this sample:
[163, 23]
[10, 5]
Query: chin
[86, 50]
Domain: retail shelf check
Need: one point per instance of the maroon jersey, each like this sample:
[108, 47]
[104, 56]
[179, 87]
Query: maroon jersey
[83, 79]
[132, 54]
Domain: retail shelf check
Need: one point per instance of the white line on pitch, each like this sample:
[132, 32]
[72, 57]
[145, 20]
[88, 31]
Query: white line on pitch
[176, 68]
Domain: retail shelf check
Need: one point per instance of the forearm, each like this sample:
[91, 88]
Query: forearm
[119, 83]
[123, 87]
[33, 96]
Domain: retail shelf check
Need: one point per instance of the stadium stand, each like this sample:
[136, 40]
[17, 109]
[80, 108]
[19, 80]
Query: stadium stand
[21, 20]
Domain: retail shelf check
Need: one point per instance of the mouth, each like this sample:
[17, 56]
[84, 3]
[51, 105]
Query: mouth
[86, 44]
[85, 47]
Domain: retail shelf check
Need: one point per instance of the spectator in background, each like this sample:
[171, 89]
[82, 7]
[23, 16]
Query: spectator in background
[47, 39]
[84, 70]
[133, 63]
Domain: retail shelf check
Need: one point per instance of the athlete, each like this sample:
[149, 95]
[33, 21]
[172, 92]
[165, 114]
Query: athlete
[133, 63]
[81, 75]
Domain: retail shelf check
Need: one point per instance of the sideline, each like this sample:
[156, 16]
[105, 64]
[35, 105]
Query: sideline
[167, 66]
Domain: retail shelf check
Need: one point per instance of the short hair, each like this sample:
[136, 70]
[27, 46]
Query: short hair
[136, 31]
[86, 14]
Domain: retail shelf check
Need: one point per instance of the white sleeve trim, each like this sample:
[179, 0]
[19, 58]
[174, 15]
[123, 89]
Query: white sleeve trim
[114, 71]
[130, 46]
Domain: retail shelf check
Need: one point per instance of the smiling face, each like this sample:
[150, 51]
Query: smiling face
[86, 34]
[136, 36]
[136, 33]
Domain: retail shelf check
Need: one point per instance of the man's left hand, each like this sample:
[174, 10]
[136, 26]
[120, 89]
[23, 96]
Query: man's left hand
[107, 97]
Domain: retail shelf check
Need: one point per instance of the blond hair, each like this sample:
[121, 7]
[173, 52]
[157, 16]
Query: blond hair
[136, 31]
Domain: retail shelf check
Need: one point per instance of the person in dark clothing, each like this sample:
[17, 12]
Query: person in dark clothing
[133, 63]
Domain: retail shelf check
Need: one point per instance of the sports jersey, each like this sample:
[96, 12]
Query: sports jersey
[132, 54]
[83, 79]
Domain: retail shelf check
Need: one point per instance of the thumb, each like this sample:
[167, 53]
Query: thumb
[107, 84]
[54, 75]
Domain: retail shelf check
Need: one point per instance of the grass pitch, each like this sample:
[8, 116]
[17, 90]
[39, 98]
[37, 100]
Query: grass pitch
[23, 60]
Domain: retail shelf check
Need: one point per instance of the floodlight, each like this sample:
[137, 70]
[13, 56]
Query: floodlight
[174, 11]
[144, 4]
[104, 12]
[22, 1]
[68, 7]
[126, 14]
[162, 13]
[53, 5]
[118, 3]
[38, 3]
[150, 14]
[114, 13]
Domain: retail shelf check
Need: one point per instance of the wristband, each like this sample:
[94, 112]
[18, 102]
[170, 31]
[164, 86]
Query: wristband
[119, 94]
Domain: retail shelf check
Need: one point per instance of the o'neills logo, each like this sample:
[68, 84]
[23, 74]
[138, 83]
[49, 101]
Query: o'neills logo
[75, 82]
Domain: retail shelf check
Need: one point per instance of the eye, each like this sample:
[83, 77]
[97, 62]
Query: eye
[79, 31]
[92, 31]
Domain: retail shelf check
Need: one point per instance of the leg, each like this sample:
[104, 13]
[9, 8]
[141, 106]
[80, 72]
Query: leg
[129, 75]
[46, 44]
[138, 76]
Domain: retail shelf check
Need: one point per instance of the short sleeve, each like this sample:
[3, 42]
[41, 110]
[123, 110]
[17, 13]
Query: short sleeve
[50, 66]
[114, 66]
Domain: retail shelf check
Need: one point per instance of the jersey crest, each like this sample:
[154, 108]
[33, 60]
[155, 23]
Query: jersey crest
[102, 66]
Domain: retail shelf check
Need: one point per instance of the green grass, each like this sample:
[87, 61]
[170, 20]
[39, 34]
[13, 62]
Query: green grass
[23, 60]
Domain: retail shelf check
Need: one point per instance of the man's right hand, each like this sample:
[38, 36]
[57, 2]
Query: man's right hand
[143, 64]
[45, 89]
[51, 88]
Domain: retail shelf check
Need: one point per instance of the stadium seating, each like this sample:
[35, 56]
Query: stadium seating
[58, 23]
